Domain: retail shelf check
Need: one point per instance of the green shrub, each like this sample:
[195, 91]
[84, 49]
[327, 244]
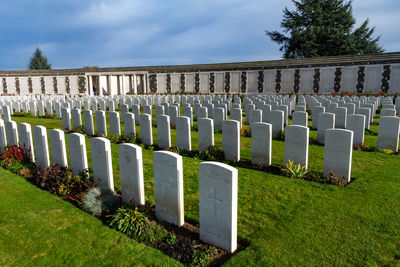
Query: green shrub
[244, 132]
[97, 201]
[171, 239]
[120, 138]
[80, 130]
[387, 151]
[340, 181]
[133, 223]
[292, 170]
[200, 258]
[60, 181]
[212, 153]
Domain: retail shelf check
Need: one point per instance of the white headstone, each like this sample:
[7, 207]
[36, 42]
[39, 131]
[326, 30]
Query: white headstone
[388, 133]
[163, 131]
[338, 153]
[128, 119]
[276, 119]
[115, 127]
[102, 163]
[206, 133]
[367, 113]
[66, 118]
[41, 146]
[12, 133]
[76, 118]
[218, 185]
[146, 131]
[236, 114]
[183, 134]
[101, 124]
[231, 140]
[6, 113]
[168, 187]
[58, 151]
[261, 143]
[325, 121]
[88, 122]
[173, 114]
[300, 118]
[388, 112]
[356, 123]
[296, 144]
[314, 115]
[131, 173]
[188, 112]
[3, 138]
[77, 153]
[25, 139]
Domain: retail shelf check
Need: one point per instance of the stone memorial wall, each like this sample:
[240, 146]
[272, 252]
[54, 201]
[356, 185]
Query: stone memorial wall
[324, 75]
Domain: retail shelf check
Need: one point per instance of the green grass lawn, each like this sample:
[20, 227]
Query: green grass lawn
[286, 221]
[39, 229]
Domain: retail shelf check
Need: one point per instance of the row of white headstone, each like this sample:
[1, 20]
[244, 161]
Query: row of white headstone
[218, 182]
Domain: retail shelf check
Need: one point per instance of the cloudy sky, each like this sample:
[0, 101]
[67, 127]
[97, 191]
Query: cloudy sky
[107, 33]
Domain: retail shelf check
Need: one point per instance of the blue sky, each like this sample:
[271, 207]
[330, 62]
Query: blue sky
[108, 33]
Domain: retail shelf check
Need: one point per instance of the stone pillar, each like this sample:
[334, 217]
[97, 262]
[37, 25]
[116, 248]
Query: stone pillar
[145, 83]
[90, 90]
[100, 86]
[123, 89]
[134, 84]
[109, 86]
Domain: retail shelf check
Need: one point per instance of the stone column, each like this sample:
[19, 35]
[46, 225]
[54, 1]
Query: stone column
[123, 91]
[90, 90]
[145, 83]
[134, 84]
[109, 86]
[100, 86]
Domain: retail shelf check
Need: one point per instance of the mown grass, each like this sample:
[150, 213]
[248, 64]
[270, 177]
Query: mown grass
[39, 229]
[287, 221]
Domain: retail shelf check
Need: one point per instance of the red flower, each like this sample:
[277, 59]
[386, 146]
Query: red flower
[73, 199]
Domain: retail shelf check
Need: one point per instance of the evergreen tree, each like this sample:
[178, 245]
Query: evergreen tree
[323, 28]
[38, 61]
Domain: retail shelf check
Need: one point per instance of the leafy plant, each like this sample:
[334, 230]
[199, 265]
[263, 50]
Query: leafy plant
[244, 132]
[132, 223]
[119, 139]
[97, 201]
[212, 153]
[60, 181]
[293, 170]
[171, 239]
[336, 180]
[80, 130]
[200, 258]
[366, 147]
[387, 151]
[14, 155]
